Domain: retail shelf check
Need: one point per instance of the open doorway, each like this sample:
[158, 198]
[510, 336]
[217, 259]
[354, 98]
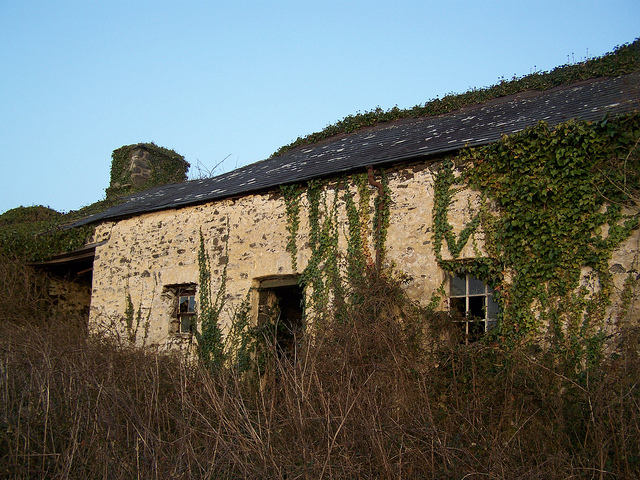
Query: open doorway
[281, 313]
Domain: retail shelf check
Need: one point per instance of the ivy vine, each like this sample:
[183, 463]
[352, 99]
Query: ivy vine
[560, 215]
[331, 274]
[355, 255]
[291, 194]
[364, 211]
[443, 198]
[381, 217]
[210, 339]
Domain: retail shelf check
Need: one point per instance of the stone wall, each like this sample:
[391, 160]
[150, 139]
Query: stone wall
[147, 255]
[71, 298]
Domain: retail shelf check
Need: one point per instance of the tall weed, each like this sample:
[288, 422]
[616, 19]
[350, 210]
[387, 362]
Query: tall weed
[390, 392]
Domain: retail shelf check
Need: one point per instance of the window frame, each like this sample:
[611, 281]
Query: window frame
[192, 311]
[471, 294]
[172, 295]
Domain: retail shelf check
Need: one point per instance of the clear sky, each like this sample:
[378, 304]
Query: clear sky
[238, 79]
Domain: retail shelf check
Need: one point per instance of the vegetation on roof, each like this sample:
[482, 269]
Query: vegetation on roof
[37, 232]
[35, 213]
[164, 165]
[622, 60]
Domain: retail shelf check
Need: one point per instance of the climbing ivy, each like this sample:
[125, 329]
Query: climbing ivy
[443, 197]
[291, 194]
[331, 274]
[322, 272]
[560, 214]
[166, 166]
[627, 295]
[487, 268]
[209, 337]
[364, 211]
[381, 217]
[242, 343]
[355, 254]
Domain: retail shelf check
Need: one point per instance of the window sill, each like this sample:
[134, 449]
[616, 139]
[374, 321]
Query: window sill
[182, 336]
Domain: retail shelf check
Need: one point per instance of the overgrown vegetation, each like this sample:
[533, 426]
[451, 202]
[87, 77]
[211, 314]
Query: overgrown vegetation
[164, 165]
[36, 233]
[376, 397]
[209, 333]
[624, 59]
[379, 388]
[566, 198]
[332, 276]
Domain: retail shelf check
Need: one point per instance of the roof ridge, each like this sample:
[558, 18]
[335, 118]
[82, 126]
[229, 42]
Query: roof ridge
[623, 59]
[390, 142]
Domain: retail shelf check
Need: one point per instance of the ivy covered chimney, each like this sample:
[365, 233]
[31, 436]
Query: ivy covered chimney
[144, 165]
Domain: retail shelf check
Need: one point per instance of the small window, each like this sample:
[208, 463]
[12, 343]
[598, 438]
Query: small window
[186, 311]
[180, 302]
[180, 309]
[472, 299]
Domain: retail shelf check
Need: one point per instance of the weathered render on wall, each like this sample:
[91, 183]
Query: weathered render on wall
[624, 265]
[143, 256]
[151, 242]
[146, 254]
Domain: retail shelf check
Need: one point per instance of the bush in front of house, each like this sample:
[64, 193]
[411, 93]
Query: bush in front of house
[389, 391]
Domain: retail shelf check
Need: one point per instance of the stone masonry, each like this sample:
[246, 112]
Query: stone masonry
[146, 254]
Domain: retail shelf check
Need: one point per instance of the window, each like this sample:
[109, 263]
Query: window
[186, 311]
[473, 300]
[180, 301]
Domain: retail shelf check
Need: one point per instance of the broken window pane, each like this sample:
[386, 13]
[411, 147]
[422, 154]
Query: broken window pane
[185, 323]
[458, 285]
[186, 311]
[476, 287]
[476, 307]
[458, 305]
[187, 303]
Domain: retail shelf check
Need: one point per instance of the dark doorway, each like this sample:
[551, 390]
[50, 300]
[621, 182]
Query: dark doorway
[281, 313]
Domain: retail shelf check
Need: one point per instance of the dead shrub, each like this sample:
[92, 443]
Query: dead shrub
[22, 292]
[385, 393]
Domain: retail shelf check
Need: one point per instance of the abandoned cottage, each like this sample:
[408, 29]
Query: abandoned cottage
[484, 211]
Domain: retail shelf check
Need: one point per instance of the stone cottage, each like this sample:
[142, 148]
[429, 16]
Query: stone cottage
[146, 249]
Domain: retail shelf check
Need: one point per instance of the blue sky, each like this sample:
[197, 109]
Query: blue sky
[236, 80]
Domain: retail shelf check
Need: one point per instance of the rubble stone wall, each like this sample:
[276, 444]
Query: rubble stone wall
[146, 255]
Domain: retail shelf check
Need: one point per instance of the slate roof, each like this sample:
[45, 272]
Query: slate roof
[402, 140]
